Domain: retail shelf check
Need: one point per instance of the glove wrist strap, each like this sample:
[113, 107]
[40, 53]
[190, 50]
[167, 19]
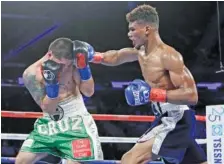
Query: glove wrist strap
[97, 58]
[85, 73]
[52, 90]
[158, 95]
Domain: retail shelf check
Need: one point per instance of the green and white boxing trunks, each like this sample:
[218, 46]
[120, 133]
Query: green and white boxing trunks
[71, 133]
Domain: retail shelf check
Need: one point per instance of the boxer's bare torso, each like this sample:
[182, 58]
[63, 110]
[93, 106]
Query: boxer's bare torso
[155, 71]
[162, 68]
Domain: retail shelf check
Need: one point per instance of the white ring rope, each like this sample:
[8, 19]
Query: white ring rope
[16, 136]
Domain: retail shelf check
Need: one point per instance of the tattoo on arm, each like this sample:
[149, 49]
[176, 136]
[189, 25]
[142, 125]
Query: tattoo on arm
[35, 88]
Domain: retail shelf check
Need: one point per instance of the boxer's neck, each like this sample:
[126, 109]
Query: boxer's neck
[153, 42]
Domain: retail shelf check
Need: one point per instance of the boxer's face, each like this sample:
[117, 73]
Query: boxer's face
[137, 34]
[66, 63]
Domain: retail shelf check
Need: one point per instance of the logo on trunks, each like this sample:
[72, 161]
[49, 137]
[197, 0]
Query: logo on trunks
[82, 148]
[155, 110]
[217, 130]
[48, 75]
[58, 115]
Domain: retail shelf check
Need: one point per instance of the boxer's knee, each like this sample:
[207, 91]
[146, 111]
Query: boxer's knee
[20, 159]
[204, 163]
[132, 157]
[28, 157]
[72, 162]
[127, 158]
[144, 158]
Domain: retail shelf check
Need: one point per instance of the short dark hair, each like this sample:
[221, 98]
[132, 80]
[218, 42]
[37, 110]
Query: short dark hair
[145, 14]
[62, 48]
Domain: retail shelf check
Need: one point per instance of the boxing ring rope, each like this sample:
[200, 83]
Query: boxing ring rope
[102, 117]
[15, 136]
[12, 159]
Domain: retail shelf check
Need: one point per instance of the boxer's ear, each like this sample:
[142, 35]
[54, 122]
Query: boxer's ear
[49, 54]
[149, 29]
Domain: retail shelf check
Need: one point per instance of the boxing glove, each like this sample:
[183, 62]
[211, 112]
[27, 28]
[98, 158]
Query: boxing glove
[139, 92]
[83, 53]
[50, 71]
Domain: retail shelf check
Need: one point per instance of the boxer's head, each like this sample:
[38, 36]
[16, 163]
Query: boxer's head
[142, 20]
[61, 50]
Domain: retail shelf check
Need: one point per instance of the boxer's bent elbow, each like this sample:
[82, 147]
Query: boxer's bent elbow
[48, 109]
[192, 97]
[186, 96]
[88, 91]
[87, 87]
[44, 108]
[49, 105]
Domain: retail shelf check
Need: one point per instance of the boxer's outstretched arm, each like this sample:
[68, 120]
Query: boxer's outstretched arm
[37, 91]
[182, 79]
[117, 57]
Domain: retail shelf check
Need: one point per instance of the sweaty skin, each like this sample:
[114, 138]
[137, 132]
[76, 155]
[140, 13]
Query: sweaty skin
[161, 68]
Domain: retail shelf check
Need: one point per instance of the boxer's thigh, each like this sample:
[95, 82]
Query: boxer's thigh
[38, 143]
[29, 157]
[72, 162]
[140, 153]
[33, 150]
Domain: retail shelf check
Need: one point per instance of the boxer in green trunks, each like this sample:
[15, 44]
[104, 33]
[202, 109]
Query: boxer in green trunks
[56, 82]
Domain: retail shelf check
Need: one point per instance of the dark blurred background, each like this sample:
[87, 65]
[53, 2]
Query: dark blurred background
[29, 27]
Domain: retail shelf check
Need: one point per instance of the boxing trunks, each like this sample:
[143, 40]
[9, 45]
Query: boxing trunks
[70, 133]
[173, 130]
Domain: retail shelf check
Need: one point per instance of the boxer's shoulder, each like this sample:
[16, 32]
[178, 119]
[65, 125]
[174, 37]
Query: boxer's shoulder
[34, 72]
[171, 58]
[170, 52]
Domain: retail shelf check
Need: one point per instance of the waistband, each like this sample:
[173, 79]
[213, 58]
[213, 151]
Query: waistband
[69, 107]
[161, 108]
[165, 106]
